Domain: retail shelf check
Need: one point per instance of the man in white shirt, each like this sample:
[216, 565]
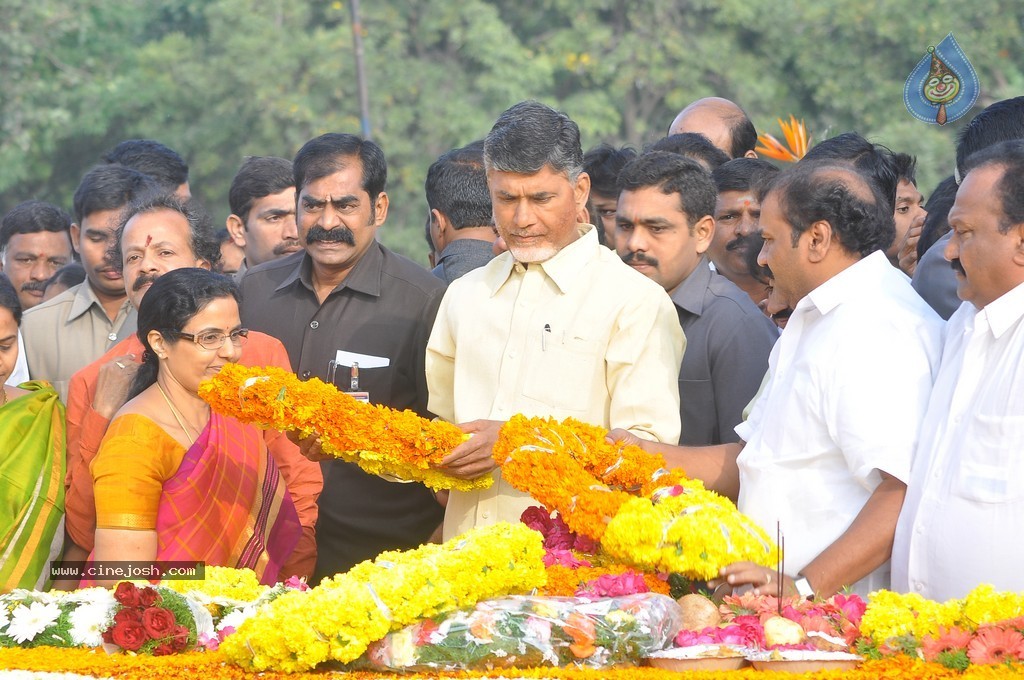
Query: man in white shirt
[963, 517]
[557, 326]
[827, 449]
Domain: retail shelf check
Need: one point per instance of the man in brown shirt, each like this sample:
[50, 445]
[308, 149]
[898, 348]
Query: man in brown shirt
[348, 308]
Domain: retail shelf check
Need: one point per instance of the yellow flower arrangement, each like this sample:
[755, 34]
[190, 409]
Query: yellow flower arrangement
[338, 619]
[223, 582]
[380, 440]
[891, 615]
[677, 525]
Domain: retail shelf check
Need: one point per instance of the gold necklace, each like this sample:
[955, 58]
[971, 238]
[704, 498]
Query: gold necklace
[177, 416]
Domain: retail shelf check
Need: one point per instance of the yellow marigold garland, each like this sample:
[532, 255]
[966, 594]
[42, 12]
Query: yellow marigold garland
[338, 619]
[223, 582]
[380, 440]
[678, 526]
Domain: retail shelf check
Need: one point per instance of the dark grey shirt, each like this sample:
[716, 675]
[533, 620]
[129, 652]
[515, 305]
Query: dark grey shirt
[462, 256]
[384, 308]
[935, 281]
[728, 340]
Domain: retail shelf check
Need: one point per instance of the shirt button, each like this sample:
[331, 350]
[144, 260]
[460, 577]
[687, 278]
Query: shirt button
[314, 324]
[486, 515]
[112, 337]
[305, 375]
[918, 586]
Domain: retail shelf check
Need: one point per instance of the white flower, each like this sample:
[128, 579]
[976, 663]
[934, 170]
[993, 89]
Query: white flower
[236, 618]
[88, 621]
[28, 622]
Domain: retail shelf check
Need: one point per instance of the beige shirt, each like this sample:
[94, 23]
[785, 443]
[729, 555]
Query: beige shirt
[581, 335]
[69, 332]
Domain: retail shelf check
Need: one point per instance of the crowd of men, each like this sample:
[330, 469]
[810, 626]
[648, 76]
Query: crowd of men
[818, 343]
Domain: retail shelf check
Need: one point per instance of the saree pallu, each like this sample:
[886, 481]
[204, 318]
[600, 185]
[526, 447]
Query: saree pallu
[32, 460]
[227, 504]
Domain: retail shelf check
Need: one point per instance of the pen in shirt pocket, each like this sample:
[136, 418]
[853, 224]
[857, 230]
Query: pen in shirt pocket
[544, 335]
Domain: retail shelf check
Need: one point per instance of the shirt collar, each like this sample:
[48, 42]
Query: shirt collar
[847, 284]
[689, 295]
[85, 298]
[364, 278]
[1005, 311]
[562, 269]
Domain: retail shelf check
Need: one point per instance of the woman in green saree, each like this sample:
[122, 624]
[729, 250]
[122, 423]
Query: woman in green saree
[32, 464]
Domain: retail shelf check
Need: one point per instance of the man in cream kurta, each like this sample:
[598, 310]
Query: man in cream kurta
[557, 327]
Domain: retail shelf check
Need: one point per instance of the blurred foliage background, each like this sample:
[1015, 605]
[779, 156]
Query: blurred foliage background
[221, 79]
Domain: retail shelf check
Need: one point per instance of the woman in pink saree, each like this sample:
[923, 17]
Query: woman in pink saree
[174, 482]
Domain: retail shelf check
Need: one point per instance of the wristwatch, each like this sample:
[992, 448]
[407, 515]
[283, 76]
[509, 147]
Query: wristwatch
[803, 587]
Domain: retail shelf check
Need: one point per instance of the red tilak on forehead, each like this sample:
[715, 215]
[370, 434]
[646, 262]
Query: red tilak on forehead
[746, 203]
[149, 239]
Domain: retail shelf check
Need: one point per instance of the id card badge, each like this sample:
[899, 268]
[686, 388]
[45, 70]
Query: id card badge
[352, 361]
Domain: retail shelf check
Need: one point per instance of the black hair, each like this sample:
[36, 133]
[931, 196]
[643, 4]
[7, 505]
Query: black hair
[874, 161]
[456, 186]
[329, 153]
[906, 167]
[202, 238]
[168, 306]
[1009, 156]
[742, 174]
[673, 174]
[152, 158]
[692, 145]
[71, 274]
[744, 136]
[936, 222]
[110, 187]
[9, 298]
[999, 122]
[861, 219]
[259, 176]
[604, 163]
[32, 217]
[529, 135]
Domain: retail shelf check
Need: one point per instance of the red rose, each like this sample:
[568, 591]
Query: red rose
[158, 622]
[108, 636]
[129, 635]
[128, 615]
[163, 649]
[127, 594]
[180, 640]
[148, 597]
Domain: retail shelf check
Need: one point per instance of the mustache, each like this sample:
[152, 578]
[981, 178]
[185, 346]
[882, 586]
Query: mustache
[336, 235]
[144, 280]
[957, 267]
[745, 242]
[283, 247]
[37, 286]
[639, 258]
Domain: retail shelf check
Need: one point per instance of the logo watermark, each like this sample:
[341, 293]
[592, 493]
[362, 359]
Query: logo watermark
[128, 570]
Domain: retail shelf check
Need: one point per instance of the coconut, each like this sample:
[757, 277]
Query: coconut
[699, 612]
[778, 630]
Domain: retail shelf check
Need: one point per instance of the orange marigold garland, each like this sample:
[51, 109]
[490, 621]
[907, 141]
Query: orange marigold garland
[380, 440]
[672, 525]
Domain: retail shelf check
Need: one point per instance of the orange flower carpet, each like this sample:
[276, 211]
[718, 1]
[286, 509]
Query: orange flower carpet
[212, 666]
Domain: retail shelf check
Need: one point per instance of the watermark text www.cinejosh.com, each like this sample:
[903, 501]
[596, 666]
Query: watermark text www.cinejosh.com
[109, 570]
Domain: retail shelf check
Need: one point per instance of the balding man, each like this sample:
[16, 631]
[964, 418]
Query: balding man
[720, 120]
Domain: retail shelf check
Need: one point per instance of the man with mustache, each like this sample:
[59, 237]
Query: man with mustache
[75, 328]
[35, 241]
[159, 233]
[965, 499]
[352, 311]
[827, 449]
[736, 242]
[262, 219]
[664, 226]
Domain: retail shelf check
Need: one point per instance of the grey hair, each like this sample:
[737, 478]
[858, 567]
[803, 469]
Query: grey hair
[530, 135]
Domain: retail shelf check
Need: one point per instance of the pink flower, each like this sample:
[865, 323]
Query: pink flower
[208, 642]
[688, 638]
[995, 645]
[296, 583]
[949, 640]
[585, 544]
[610, 585]
[563, 558]
[852, 605]
[751, 630]
[537, 518]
